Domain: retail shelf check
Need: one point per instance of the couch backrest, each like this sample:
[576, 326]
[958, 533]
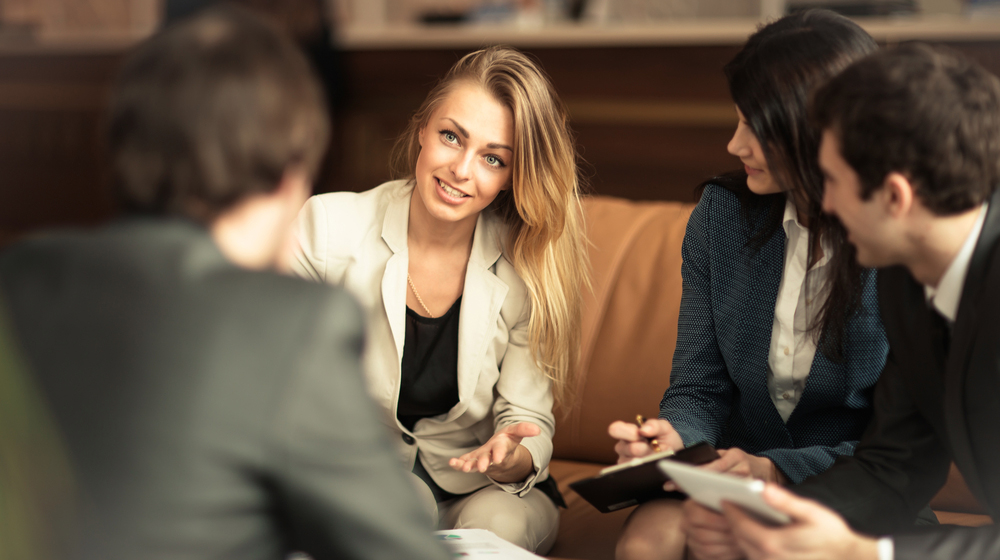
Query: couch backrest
[629, 321]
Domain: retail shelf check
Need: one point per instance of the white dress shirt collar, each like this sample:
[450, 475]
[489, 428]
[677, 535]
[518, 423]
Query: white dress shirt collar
[792, 226]
[948, 294]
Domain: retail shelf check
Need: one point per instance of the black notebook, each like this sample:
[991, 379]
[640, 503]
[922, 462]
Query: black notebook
[639, 480]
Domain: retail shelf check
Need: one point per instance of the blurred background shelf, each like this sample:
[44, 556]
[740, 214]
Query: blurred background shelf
[648, 101]
[680, 32]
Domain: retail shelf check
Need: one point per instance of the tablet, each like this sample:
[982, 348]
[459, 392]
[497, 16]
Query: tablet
[710, 489]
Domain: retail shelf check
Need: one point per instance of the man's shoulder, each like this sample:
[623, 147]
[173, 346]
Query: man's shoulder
[172, 268]
[132, 243]
[280, 293]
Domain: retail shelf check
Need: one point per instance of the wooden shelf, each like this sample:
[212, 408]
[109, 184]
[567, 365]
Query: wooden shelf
[18, 42]
[690, 32]
[681, 32]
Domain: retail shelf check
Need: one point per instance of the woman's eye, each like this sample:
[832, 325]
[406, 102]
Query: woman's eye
[494, 161]
[449, 136]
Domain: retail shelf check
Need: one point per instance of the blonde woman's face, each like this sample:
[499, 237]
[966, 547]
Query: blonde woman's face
[466, 151]
[745, 146]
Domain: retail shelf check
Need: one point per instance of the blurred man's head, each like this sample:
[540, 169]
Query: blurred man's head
[911, 136]
[212, 111]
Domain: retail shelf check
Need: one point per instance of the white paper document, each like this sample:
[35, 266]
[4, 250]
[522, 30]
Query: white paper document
[479, 543]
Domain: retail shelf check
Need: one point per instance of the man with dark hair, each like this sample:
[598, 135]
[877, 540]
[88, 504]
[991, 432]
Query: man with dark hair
[911, 158]
[210, 408]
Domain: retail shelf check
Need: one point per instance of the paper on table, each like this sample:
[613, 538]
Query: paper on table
[480, 543]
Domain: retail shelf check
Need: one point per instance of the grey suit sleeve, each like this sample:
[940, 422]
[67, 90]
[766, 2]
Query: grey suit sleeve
[898, 466]
[337, 481]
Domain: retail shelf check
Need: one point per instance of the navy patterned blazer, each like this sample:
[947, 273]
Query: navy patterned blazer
[718, 383]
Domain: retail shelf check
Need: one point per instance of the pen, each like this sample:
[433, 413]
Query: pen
[640, 420]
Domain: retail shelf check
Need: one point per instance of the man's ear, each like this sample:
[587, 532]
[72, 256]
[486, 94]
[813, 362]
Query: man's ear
[898, 194]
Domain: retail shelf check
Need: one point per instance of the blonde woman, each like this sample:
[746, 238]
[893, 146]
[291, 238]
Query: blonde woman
[470, 269]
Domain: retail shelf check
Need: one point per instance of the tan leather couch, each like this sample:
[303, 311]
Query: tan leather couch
[629, 332]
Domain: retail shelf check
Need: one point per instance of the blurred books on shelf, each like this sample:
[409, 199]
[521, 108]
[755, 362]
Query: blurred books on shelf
[525, 12]
[561, 17]
[633, 11]
[69, 21]
[982, 8]
[858, 7]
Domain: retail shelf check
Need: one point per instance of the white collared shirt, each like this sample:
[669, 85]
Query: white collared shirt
[801, 295]
[948, 293]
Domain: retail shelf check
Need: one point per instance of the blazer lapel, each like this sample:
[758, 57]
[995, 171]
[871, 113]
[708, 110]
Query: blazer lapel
[963, 335]
[921, 350]
[918, 320]
[482, 298]
[757, 319]
[397, 217]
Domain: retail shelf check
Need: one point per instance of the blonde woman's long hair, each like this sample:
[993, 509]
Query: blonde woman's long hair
[545, 238]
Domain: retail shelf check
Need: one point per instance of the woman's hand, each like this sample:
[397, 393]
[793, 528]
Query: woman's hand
[633, 441]
[737, 462]
[502, 458]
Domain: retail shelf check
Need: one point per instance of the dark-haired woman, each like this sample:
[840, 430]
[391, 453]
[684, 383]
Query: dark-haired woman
[779, 340]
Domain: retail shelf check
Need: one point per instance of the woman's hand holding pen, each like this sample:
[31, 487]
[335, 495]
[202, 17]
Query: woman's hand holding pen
[502, 458]
[636, 441]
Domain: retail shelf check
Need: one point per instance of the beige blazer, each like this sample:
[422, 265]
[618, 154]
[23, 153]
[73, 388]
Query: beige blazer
[358, 241]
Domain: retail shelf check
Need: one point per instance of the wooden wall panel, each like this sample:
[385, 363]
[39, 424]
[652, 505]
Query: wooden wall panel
[651, 122]
[51, 163]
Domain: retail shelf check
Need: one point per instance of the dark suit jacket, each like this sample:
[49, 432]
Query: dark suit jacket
[932, 405]
[209, 411]
[718, 383]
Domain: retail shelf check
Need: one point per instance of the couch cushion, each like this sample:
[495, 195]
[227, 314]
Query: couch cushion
[955, 496]
[629, 321]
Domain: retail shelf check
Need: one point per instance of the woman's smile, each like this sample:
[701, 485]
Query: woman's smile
[450, 193]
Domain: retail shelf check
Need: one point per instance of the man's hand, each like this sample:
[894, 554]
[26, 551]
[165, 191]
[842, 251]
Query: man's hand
[502, 458]
[815, 533]
[633, 441]
[708, 534]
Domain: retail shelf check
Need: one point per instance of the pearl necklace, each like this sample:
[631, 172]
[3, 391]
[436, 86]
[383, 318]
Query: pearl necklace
[420, 300]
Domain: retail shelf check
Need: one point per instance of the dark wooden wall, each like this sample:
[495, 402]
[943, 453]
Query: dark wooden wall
[51, 167]
[652, 122]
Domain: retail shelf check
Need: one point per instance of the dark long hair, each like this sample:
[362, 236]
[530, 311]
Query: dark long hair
[771, 80]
